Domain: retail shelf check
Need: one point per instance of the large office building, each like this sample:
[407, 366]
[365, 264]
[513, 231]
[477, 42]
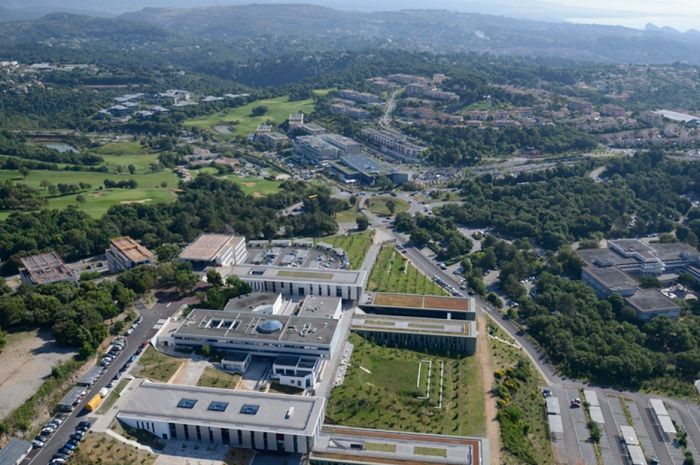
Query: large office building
[393, 144]
[616, 269]
[314, 149]
[345, 284]
[46, 268]
[419, 306]
[254, 420]
[253, 333]
[366, 169]
[215, 250]
[124, 253]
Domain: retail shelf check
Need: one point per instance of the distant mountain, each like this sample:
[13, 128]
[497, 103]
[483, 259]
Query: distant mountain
[428, 30]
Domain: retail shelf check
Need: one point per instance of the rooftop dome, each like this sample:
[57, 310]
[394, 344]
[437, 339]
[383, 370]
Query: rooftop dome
[269, 326]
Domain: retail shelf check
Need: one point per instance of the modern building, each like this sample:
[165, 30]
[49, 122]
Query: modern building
[253, 420]
[256, 334]
[419, 306]
[345, 145]
[215, 250]
[608, 280]
[315, 149]
[360, 97]
[265, 134]
[341, 445]
[430, 334]
[321, 307]
[44, 268]
[263, 303]
[345, 284]
[366, 170]
[393, 144]
[649, 303]
[15, 451]
[295, 120]
[350, 110]
[299, 372]
[429, 92]
[125, 253]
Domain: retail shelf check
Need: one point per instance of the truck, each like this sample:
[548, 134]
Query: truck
[103, 392]
[93, 403]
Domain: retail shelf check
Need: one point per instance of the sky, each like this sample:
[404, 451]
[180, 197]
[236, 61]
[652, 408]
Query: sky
[654, 7]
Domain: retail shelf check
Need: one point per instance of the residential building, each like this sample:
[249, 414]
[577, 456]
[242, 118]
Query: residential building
[312, 128]
[44, 268]
[247, 419]
[124, 253]
[215, 250]
[426, 91]
[405, 79]
[351, 111]
[345, 284]
[360, 97]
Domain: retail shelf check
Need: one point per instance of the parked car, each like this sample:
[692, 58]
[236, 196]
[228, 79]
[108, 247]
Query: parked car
[37, 443]
[85, 423]
[546, 393]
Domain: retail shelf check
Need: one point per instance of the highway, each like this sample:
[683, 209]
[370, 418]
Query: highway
[166, 306]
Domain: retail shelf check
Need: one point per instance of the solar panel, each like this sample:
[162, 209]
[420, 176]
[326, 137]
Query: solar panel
[250, 409]
[187, 403]
[218, 406]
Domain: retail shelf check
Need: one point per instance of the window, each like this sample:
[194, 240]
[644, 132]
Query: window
[218, 406]
[187, 432]
[225, 436]
[187, 403]
[338, 292]
[211, 435]
[199, 432]
[250, 409]
[173, 431]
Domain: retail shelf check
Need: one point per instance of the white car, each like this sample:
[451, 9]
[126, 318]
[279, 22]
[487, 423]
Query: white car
[129, 331]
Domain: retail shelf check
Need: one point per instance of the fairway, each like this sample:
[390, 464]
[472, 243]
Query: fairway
[384, 389]
[393, 272]
[257, 187]
[98, 201]
[127, 153]
[355, 245]
[243, 123]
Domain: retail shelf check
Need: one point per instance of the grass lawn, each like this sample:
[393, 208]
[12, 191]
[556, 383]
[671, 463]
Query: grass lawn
[211, 377]
[113, 396]
[243, 123]
[378, 205]
[355, 245]
[382, 390]
[380, 447]
[431, 451]
[393, 272]
[101, 449]
[156, 366]
[348, 216]
[528, 400]
[257, 187]
[98, 201]
[125, 154]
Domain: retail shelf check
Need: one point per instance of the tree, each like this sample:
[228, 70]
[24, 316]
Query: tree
[258, 111]
[214, 278]
[44, 184]
[131, 168]
[24, 171]
[362, 223]
[185, 281]
[391, 206]
[594, 429]
[80, 198]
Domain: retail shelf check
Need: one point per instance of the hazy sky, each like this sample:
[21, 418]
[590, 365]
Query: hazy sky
[662, 7]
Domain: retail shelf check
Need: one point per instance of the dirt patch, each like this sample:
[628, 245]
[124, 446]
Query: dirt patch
[24, 363]
[257, 195]
[97, 194]
[249, 184]
[127, 202]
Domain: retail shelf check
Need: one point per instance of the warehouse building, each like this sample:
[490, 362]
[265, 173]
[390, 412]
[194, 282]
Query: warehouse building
[421, 334]
[215, 250]
[46, 268]
[345, 284]
[253, 420]
[125, 253]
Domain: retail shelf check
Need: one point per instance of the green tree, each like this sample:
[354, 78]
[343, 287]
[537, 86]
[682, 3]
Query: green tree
[132, 169]
[167, 252]
[258, 110]
[214, 278]
[24, 171]
[362, 223]
[185, 281]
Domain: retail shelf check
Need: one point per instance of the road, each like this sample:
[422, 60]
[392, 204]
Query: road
[389, 107]
[166, 306]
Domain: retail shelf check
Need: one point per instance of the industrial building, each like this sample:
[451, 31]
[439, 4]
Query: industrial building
[254, 420]
[341, 445]
[125, 253]
[429, 334]
[44, 268]
[215, 250]
[616, 269]
[345, 284]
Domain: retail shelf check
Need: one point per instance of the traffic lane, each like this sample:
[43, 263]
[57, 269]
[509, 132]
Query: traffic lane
[143, 332]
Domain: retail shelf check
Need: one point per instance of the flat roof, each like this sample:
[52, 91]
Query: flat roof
[676, 116]
[371, 446]
[596, 414]
[158, 401]
[591, 397]
[636, 455]
[629, 435]
[207, 246]
[419, 302]
[666, 424]
[400, 324]
[319, 307]
[612, 277]
[15, 450]
[249, 302]
[651, 300]
[552, 404]
[674, 251]
[556, 426]
[287, 274]
[239, 326]
[131, 249]
[46, 268]
[592, 256]
[658, 406]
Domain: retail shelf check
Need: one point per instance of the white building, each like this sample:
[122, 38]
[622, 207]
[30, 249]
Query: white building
[215, 250]
[345, 284]
[247, 419]
[124, 253]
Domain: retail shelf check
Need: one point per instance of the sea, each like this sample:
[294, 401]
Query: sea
[680, 23]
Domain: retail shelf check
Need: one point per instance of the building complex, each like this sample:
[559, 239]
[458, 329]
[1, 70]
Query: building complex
[125, 253]
[46, 268]
[215, 250]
